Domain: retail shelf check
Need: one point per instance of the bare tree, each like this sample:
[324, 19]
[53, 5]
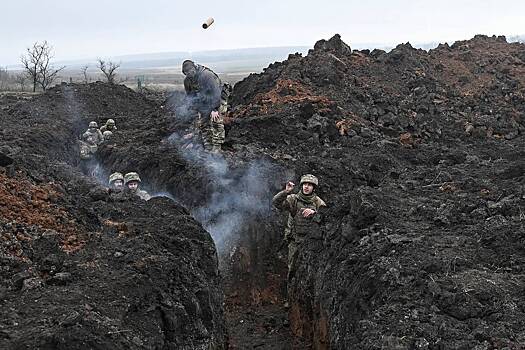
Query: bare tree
[84, 73]
[108, 69]
[38, 67]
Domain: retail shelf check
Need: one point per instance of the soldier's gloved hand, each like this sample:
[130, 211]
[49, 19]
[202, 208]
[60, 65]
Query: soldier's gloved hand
[215, 116]
[289, 186]
[308, 212]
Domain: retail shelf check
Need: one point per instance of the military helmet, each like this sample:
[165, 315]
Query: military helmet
[187, 65]
[131, 177]
[115, 176]
[110, 122]
[93, 125]
[107, 134]
[310, 179]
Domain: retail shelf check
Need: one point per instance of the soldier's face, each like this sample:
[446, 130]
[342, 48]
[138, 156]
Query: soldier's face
[308, 188]
[118, 184]
[133, 185]
[190, 72]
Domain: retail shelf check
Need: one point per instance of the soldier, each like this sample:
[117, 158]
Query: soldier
[110, 125]
[116, 182]
[304, 215]
[88, 146]
[204, 92]
[93, 136]
[132, 182]
[108, 135]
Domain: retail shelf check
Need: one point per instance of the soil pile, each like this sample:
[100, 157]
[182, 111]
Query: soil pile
[420, 156]
[84, 268]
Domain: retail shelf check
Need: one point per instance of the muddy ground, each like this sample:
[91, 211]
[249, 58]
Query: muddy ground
[420, 156]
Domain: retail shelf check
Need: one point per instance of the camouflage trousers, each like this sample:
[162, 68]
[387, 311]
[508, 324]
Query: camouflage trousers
[212, 133]
[293, 253]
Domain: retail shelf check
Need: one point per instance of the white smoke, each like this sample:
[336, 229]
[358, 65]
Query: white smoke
[238, 195]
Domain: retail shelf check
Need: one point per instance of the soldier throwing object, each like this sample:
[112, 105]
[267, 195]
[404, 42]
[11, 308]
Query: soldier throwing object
[304, 215]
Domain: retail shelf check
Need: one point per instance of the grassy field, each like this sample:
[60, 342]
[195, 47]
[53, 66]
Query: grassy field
[163, 70]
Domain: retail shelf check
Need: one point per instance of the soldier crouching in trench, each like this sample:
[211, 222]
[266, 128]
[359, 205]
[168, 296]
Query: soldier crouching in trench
[304, 215]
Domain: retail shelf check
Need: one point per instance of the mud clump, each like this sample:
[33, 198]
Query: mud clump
[420, 156]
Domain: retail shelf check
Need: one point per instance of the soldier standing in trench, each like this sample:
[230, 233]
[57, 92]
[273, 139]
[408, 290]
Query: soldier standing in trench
[205, 96]
[304, 215]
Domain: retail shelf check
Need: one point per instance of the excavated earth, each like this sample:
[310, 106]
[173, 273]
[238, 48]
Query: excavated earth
[83, 268]
[420, 157]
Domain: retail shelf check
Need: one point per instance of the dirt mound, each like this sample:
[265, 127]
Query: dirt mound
[421, 160]
[420, 157]
[83, 267]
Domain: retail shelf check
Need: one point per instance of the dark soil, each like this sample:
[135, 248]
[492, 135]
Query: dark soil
[86, 269]
[420, 156]
[421, 160]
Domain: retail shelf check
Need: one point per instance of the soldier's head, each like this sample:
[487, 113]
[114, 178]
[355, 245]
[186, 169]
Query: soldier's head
[189, 69]
[132, 181]
[110, 124]
[308, 183]
[116, 181]
[93, 125]
[107, 135]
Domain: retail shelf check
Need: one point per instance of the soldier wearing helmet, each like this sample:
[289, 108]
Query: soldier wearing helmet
[207, 97]
[304, 215]
[93, 136]
[116, 182]
[132, 182]
[108, 135]
[109, 126]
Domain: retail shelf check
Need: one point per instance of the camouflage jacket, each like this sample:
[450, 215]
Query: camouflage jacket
[143, 195]
[204, 91]
[93, 137]
[297, 226]
[105, 128]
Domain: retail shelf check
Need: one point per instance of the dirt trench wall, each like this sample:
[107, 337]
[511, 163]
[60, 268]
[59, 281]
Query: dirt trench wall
[420, 159]
[86, 269]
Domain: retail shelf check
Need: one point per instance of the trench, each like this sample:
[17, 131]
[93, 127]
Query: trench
[252, 262]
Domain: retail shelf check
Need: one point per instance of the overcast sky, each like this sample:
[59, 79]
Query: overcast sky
[96, 28]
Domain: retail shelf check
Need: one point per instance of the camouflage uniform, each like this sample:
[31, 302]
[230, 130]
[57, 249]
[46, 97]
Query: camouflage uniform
[109, 126]
[297, 226]
[108, 135]
[140, 193]
[116, 177]
[88, 146]
[206, 94]
[93, 136]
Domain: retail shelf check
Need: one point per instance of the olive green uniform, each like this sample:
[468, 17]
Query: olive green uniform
[93, 137]
[106, 127]
[298, 227]
[133, 176]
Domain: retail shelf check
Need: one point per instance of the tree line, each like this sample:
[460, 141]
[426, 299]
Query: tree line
[39, 72]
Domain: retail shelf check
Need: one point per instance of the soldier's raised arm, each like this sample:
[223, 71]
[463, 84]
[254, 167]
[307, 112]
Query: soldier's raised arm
[279, 200]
